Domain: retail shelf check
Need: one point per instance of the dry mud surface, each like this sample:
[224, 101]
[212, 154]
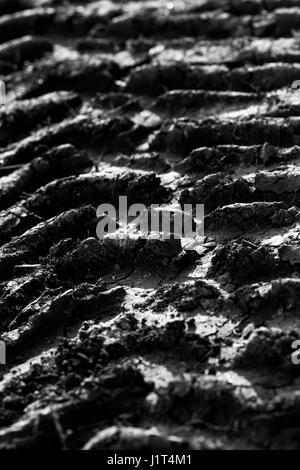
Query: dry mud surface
[140, 344]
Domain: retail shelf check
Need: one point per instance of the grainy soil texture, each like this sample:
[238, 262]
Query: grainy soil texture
[141, 343]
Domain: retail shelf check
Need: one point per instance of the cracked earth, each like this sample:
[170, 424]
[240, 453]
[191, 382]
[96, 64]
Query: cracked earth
[142, 344]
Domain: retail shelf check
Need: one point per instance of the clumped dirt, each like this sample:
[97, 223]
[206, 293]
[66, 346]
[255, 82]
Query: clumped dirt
[140, 343]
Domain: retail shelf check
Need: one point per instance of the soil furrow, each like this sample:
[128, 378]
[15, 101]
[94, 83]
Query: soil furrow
[122, 335]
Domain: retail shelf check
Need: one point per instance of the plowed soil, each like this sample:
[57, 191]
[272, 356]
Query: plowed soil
[140, 343]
